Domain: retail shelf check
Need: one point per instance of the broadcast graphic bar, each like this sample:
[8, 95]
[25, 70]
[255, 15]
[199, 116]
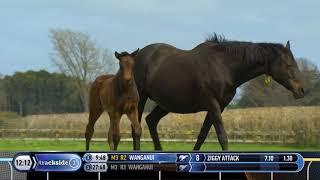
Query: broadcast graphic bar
[179, 162]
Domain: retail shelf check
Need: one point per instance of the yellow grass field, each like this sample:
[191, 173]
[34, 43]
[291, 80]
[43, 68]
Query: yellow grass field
[299, 125]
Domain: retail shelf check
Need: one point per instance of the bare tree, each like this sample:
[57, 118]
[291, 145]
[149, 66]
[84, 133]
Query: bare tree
[76, 54]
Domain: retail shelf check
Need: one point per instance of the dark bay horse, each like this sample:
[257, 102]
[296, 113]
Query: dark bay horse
[118, 95]
[206, 78]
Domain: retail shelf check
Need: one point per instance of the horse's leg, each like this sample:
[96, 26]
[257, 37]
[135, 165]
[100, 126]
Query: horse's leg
[213, 117]
[136, 128]
[152, 120]
[208, 121]
[142, 103]
[94, 114]
[114, 130]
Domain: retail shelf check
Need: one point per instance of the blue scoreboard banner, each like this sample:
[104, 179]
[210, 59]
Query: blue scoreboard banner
[192, 162]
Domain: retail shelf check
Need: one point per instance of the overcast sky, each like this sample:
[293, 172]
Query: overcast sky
[130, 24]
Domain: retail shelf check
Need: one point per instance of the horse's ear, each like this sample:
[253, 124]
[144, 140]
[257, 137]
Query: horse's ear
[288, 44]
[117, 55]
[135, 52]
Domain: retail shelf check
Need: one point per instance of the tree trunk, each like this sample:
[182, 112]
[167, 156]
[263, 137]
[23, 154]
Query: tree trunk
[85, 99]
[84, 95]
[20, 109]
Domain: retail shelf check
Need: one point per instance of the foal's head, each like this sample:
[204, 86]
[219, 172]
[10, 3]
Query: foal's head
[126, 63]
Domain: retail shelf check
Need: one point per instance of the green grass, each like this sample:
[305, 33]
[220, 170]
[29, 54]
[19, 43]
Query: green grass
[28, 145]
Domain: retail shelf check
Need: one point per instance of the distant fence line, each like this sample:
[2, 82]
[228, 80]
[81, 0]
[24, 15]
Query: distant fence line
[142, 140]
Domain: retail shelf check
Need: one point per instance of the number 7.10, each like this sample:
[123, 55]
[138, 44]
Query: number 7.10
[268, 158]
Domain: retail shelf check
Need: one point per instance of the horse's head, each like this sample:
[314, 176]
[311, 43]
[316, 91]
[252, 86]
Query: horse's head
[126, 63]
[284, 70]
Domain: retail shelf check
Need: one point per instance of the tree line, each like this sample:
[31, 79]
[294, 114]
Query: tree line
[42, 92]
[35, 92]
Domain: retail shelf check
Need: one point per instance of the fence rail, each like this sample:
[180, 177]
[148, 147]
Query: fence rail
[142, 140]
[78, 135]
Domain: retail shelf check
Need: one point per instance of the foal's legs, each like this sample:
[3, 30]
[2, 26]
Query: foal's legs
[94, 114]
[152, 120]
[213, 117]
[114, 130]
[142, 102]
[136, 128]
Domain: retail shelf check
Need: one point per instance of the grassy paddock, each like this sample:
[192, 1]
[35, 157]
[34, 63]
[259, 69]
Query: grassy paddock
[55, 145]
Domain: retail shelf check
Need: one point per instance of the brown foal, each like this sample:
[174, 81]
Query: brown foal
[118, 95]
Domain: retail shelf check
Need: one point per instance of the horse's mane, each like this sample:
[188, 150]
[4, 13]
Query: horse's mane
[216, 38]
[250, 51]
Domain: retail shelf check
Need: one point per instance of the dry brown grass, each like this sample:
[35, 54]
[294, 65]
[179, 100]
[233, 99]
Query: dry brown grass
[299, 125]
